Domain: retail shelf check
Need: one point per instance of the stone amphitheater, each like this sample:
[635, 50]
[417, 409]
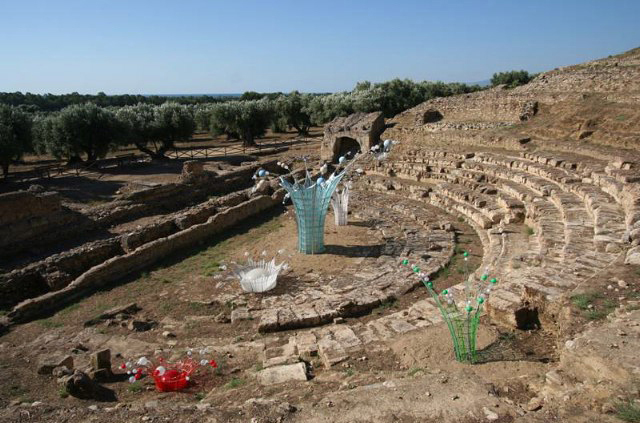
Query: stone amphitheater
[546, 199]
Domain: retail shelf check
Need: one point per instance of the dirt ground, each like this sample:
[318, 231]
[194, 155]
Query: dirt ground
[182, 291]
[411, 378]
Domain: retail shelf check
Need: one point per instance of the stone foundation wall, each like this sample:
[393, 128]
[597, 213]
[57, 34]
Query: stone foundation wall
[144, 256]
[28, 219]
[57, 271]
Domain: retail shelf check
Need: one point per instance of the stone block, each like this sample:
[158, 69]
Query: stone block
[48, 363]
[282, 374]
[101, 360]
[331, 352]
[240, 313]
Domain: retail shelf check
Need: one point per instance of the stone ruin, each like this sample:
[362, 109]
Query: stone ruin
[357, 132]
[551, 219]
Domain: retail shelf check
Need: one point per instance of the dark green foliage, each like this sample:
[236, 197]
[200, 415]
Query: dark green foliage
[15, 135]
[174, 122]
[391, 98]
[155, 129]
[278, 125]
[202, 117]
[251, 95]
[290, 111]
[511, 79]
[628, 411]
[51, 102]
[247, 120]
[76, 130]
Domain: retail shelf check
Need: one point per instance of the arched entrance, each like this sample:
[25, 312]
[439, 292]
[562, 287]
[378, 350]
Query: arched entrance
[345, 145]
[432, 116]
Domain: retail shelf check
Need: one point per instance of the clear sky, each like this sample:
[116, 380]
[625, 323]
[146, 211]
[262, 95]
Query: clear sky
[231, 46]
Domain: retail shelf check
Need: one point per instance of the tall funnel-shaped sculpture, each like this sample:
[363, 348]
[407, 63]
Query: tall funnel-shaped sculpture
[462, 316]
[340, 204]
[311, 202]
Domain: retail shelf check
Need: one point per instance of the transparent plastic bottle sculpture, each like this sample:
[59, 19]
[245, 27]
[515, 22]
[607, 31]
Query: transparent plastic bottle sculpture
[340, 204]
[311, 201]
[462, 319]
[258, 275]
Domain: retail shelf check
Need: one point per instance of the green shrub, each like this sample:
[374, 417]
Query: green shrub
[511, 79]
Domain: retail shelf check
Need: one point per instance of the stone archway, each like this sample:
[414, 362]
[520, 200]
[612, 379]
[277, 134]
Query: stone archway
[344, 145]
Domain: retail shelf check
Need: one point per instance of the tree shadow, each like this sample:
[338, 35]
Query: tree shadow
[369, 223]
[505, 350]
[355, 250]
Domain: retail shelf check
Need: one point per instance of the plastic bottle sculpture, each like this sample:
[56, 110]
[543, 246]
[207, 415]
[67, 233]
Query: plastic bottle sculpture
[462, 319]
[259, 275]
[311, 201]
[340, 204]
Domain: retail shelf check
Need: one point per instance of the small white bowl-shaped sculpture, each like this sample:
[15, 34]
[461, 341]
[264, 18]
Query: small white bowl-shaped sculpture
[259, 276]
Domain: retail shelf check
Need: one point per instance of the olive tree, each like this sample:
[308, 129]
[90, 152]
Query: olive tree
[246, 119]
[512, 78]
[173, 122]
[79, 129]
[290, 110]
[155, 129]
[15, 135]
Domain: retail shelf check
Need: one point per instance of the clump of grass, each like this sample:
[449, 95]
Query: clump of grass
[583, 301]
[135, 387]
[258, 367]
[63, 393]
[50, 323]
[415, 370]
[628, 411]
[600, 313]
[195, 306]
[69, 309]
[199, 396]
[235, 383]
[528, 231]
[384, 306]
[210, 268]
[349, 372]
[621, 117]
[16, 390]
[460, 219]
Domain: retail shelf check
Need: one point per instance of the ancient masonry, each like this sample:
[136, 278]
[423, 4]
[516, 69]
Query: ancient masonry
[357, 132]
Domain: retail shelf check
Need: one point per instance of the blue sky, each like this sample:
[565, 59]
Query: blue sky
[229, 46]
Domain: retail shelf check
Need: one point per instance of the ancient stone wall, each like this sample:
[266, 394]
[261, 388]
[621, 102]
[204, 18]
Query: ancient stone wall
[363, 128]
[28, 219]
[496, 105]
[122, 265]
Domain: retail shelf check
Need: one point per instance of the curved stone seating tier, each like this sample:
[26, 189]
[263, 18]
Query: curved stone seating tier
[607, 215]
[492, 241]
[403, 230]
[575, 210]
